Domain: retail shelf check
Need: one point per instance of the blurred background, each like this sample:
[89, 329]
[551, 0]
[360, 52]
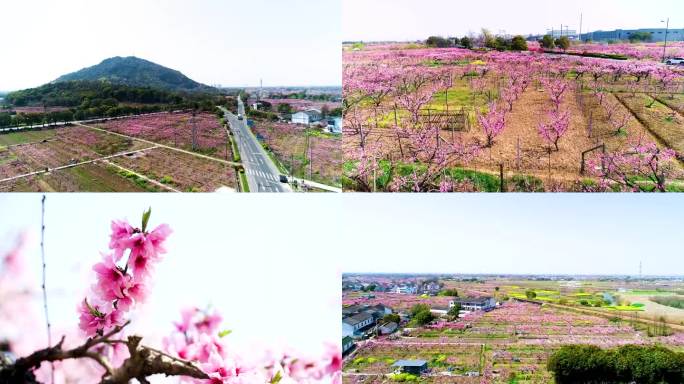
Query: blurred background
[264, 264]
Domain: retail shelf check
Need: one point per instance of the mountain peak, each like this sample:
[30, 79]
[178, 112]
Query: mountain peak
[134, 71]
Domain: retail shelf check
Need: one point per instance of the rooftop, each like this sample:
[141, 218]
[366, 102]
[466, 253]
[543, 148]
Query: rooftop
[356, 319]
[410, 363]
[475, 300]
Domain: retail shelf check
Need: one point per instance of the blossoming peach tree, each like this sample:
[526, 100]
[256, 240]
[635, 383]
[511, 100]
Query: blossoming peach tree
[195, 351]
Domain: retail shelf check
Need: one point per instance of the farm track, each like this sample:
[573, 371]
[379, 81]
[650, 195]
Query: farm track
[149, 180]
[234, 164]
[660, 140]
[644, 321]
[48, 170]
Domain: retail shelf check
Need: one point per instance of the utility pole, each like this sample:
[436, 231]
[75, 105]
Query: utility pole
[580, 30]
[194, 131]
[308, 138]
[667, 27]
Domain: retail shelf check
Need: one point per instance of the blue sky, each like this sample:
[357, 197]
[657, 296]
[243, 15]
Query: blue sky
[377, 20]
[228, 42]
[520, 234]
[266, 264]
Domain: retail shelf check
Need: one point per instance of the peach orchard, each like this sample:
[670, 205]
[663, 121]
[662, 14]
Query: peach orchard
[419, 120]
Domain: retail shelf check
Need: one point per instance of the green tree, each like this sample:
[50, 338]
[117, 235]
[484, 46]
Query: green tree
[502, 44]
[285, 108]
[5, 119]
[563, 43]
[466, 42]
[417, 308]
[531, 294]
[453, 311]
[640, 37]
[449, 292]
[437, 42]
[547, 42]
[518, 43]
[423, 317]
[391, 318]
[488, 39]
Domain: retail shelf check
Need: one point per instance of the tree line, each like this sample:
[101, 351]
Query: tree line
[485, 40]
[98, 99]
[588, 364]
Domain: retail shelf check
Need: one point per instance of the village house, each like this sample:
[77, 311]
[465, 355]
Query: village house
[334, 125]
[307, 117]
[347, 344]
[353, 325]
[474, 303]
[431, 288]
[405, 289]
[413, 367]
[388, 328]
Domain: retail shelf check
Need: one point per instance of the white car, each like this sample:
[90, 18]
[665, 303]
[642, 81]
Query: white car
[675, 61]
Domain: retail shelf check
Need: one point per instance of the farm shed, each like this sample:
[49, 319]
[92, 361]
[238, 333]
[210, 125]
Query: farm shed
[414, 367]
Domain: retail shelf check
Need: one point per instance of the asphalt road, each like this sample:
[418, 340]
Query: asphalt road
[262, 174]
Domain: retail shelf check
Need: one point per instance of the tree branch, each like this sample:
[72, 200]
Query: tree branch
[143, 361]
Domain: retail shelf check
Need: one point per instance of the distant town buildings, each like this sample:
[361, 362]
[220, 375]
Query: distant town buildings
[657, 34]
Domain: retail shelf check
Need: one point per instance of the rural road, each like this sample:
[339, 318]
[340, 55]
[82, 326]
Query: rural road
[262, 174]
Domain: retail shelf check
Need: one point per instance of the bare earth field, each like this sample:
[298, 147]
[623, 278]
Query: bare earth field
[316, 156]
[84, 159]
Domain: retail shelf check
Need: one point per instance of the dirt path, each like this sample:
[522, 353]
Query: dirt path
[149, 180]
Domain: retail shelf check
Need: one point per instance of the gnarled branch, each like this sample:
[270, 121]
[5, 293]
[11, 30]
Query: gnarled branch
[143, 361]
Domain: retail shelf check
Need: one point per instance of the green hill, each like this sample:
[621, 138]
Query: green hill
[136, 72]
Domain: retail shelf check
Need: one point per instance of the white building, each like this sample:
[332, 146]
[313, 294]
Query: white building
[307, 117]
[353, 324]
[475, 304]
[347, 343]
[334, 125]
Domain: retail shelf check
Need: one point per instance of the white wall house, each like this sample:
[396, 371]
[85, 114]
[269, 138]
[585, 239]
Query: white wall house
[352, 324]
[475, 304]
[335, 125]
[347, 343]
[405, 289]
[307, 117]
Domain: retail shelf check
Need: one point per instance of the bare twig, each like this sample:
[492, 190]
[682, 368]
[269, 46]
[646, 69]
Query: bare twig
[45, 301]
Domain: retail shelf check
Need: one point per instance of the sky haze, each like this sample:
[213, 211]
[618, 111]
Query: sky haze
[232, 43]
[404, 20]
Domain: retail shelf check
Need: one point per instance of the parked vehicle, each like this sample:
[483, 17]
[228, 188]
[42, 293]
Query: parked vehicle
[240, 117]
[675, 61]
[283, 179]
